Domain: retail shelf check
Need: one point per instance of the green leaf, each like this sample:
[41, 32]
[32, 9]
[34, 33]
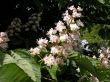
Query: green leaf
[12, 73]
[2, 55]
[52, 71]
[8, 59]
[24, 61]
[103, 74]
[102, 1]
[85, 64]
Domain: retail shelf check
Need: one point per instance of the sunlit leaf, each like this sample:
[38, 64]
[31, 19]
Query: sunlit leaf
[27, 64]
[12, 73]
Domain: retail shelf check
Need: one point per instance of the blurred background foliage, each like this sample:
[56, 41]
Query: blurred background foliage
[27, 20]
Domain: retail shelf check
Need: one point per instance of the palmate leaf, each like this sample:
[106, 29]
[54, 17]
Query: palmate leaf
[25, 62]
[12, 73]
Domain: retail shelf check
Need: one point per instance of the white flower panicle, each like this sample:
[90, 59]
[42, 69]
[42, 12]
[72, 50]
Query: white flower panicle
[69, 18]
[62, 38]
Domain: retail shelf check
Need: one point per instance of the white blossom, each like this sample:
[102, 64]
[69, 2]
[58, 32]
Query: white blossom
[67, 18]
[78, 69]
[76, 14]
[74, 36]
[51, 31]
[3, 37]
[63, 37]
[3, 40]
[49, 60]
[54, 50]
[60, 23]
[79, 23]
[3, 34]
[108, 50]
[74, 27]
[72, 8]
[101, 55]
[60, 26]
[94, 57]
[79, 8]
[42, 42]
[53, 38]
[66, 13]
[105, 62]
[35, 51]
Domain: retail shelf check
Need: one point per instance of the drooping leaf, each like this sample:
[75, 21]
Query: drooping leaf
[12, 73]
[24, 61]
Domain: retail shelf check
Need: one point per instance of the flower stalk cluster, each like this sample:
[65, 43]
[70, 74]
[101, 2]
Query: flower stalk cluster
[17, 26]
[63, 38]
